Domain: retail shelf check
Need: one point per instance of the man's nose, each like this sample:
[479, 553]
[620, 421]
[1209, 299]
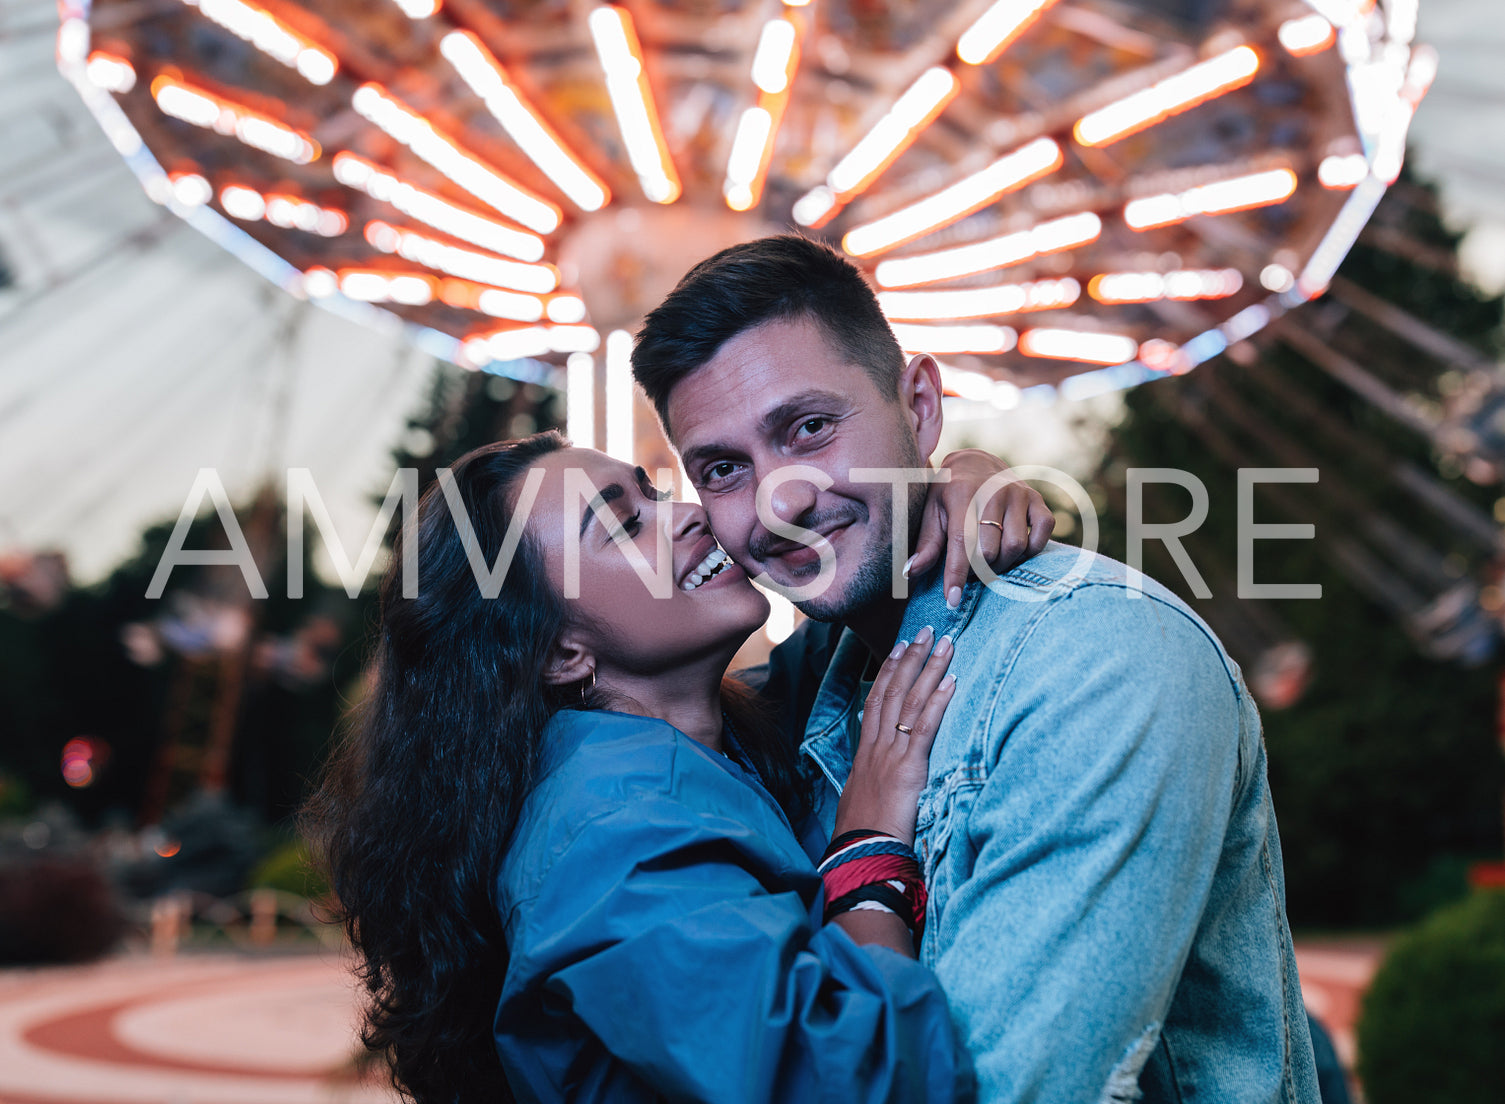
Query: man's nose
[791, 499]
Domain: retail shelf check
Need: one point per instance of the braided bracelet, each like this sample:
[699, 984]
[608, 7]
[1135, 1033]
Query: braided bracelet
[868, 869]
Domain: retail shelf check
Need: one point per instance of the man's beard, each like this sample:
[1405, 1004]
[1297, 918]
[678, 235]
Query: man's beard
[873, 579]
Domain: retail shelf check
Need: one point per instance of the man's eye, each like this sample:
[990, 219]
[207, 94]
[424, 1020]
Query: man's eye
[723, 470]
[811, 426]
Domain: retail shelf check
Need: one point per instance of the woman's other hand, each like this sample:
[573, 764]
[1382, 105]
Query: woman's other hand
[1019, 522]
[899, 722]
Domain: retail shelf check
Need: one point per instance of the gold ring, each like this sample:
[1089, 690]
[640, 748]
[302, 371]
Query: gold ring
[904, 728]
[985, 521]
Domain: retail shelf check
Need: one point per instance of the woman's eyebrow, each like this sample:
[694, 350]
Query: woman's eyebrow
[609, 493]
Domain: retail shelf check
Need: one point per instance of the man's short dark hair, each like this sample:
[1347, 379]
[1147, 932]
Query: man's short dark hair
[772, 279]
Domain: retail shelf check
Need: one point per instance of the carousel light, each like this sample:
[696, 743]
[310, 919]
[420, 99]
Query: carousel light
[580, 399]
[411, 291]
[464, 263]
[975, 338]
[774, 57]
[890, 136]
[479, 69]
[980, 302]
[945, 264]
[418, 9]
[774, 62]
[414, 131]
[1167, 97]
[1277, 278]
[1342, 170]
[510, 304]
[566, 308]
[1306, 34]
[1080, 346]
[405, 288]
[433, 210]
[977, 387]
[286, 211]
[190, 189]
[632, 100]
[1183, 285]
[1039, 158]
[203, 109]
[744, 165]
[1401, 20]
[993, 31]
[536, 341]
[619, 398]
[517, 344]
[1240, 193]
[813, 206]
[320, 283]
[113, 74]
[246, 204]
[272, 37]
[573, 339]
[72, 41]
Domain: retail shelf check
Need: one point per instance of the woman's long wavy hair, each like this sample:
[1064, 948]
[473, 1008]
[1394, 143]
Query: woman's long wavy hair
[417, 803]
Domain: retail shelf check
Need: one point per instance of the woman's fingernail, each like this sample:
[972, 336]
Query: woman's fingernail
[924, 636]
[948, 682]
[898, 649]
[943, 645]
[954, 598]
[907, 565]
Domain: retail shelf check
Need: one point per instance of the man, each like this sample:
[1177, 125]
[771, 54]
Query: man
[1107, 905]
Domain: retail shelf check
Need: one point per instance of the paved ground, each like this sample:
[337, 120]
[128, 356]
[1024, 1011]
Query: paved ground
[240, 1029]
[220, 1029]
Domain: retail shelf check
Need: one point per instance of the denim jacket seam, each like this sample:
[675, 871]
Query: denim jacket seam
[1230, 671]
[1005, 672]
[1287, 1071]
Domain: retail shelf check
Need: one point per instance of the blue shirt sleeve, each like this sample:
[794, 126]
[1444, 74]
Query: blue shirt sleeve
[671, 944]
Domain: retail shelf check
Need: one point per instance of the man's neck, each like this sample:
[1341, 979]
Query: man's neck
[877, 625]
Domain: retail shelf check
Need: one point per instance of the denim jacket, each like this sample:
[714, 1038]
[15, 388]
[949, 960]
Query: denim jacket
[1107, 902]
[664, 929]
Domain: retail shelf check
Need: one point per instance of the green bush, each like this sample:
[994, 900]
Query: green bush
[290, 869]
[1433, 1024]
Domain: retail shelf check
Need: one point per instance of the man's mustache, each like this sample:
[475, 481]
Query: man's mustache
[765, 544]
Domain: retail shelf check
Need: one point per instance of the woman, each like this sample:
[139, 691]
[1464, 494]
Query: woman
[561, 839]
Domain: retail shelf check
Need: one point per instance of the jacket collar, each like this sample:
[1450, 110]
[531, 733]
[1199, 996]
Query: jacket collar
[826, 731]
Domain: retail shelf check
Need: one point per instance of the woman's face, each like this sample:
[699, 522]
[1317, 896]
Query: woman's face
[649, 588]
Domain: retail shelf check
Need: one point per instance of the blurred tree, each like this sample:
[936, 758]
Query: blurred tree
[1434, 1018]
[1379, 708]
[108, 663]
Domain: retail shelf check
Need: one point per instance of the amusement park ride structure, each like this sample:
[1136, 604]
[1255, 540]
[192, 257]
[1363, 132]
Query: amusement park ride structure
[1052, 196]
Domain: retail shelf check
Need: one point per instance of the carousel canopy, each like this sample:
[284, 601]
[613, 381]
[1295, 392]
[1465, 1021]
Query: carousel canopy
[1067, 196]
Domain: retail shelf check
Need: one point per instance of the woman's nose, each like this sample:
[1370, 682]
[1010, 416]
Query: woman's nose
[686, 519]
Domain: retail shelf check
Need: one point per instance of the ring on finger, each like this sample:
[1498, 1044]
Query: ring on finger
[986, 521]
[904, 728]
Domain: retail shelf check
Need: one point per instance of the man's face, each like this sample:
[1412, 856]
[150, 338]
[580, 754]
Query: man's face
[782, 394]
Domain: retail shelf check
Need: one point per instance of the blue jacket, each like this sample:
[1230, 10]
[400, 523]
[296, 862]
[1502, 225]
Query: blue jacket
[665, 938]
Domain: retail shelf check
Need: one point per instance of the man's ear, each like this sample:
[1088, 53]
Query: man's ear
[570, 660]
[920, 392]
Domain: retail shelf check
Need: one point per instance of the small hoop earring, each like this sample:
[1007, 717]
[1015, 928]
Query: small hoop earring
[586, 687]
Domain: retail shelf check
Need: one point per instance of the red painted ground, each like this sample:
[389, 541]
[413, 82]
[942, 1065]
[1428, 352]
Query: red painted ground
[229, 1029]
